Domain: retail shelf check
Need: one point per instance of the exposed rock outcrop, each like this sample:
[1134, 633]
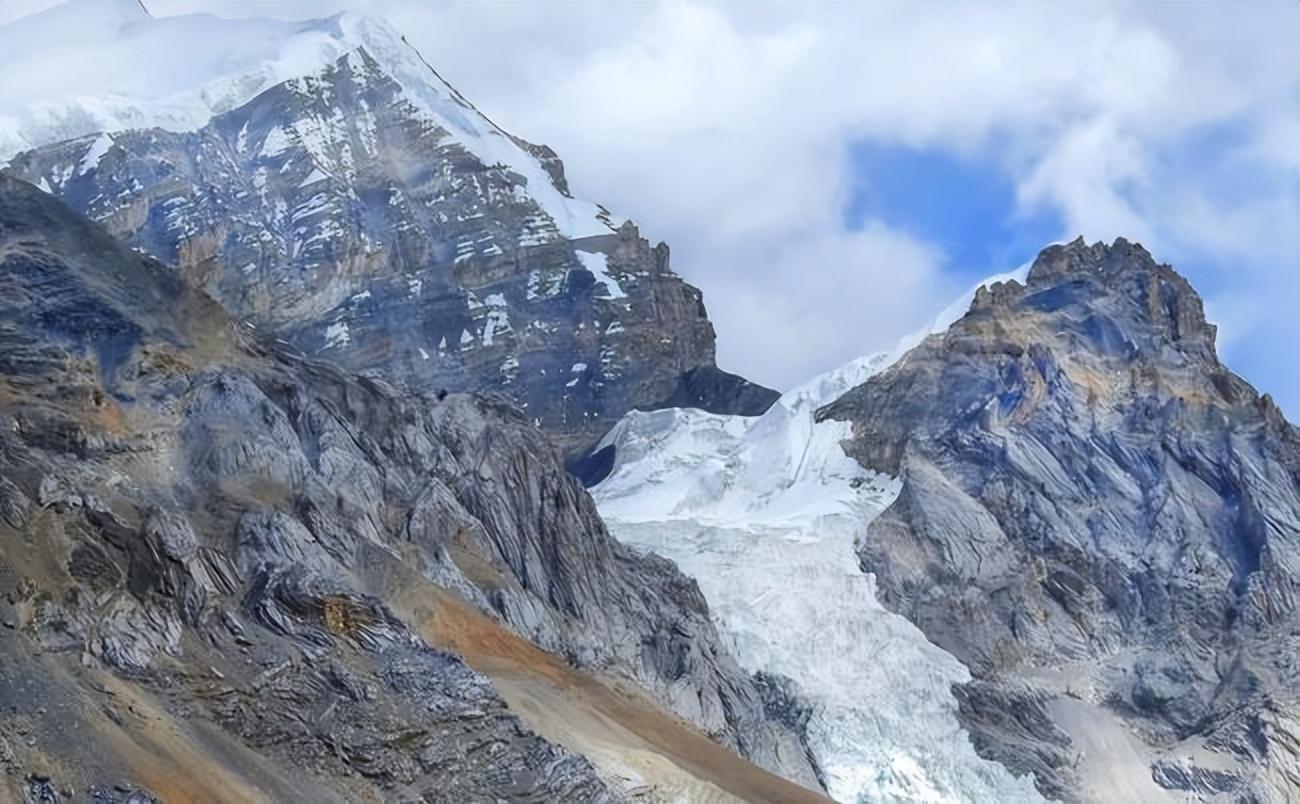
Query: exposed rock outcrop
[233, 541]
[1092, 503]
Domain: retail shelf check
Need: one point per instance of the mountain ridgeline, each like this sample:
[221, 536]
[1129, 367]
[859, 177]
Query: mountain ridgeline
[274, 547]
[1060, 485]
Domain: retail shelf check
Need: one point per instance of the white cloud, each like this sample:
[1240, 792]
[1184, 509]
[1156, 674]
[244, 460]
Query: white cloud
[1081, 175]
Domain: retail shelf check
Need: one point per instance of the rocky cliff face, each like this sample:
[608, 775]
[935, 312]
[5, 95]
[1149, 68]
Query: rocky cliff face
[1096, 514]
[366, 213]
[216, 554]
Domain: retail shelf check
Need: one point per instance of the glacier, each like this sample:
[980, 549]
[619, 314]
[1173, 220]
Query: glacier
[764, 513]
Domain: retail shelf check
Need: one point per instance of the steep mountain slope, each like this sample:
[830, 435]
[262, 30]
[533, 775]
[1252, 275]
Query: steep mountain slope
[1100, 520]
[220, 558]
[329, 186]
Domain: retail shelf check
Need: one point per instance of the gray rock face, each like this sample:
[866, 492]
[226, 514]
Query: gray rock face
[333, 211]
[1085, 486]
[257, 543]
[716, 391]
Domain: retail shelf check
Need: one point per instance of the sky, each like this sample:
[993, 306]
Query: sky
[832, 175]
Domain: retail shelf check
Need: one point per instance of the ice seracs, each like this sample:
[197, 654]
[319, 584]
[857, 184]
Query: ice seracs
[763, 512]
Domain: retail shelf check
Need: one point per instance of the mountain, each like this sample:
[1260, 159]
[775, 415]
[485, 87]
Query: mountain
[323, 183]
[1092, 505]
[225, 567]
[1063, 490]
[302, 359]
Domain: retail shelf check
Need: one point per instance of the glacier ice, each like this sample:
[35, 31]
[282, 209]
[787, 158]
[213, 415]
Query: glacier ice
[764, 512]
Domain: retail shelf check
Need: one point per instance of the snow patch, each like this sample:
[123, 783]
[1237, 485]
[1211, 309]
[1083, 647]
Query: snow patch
[316, 175]
[337, 335]
[276, 142]
[509, 368]
[90, 161]
[598, 265]
[497, 321]
[493, 313]
[576, 370]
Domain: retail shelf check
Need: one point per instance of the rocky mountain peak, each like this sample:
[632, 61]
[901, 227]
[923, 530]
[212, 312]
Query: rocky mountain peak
[367, 213]
[1084, 484]
[1160, 297]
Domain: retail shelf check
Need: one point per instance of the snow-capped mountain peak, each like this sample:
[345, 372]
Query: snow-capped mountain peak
[321, 180]
[177, 73]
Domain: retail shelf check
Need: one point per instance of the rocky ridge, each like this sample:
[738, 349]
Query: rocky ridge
[1096, 513]
[221, 547]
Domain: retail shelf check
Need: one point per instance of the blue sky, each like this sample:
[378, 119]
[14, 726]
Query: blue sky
[965, 206]
[832, 175]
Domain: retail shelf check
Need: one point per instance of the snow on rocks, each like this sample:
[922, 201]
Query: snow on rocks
[497, 320]
[597, 265]
[337, 335]
[94, 154]
[578, 370]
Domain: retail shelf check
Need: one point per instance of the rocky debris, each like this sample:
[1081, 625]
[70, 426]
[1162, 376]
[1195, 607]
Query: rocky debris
[455, 744]
[220, 522]
[337, 212]
[1084, 483]
[121, 794]
[1198, 781]
[38, 789]
[783, 704]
